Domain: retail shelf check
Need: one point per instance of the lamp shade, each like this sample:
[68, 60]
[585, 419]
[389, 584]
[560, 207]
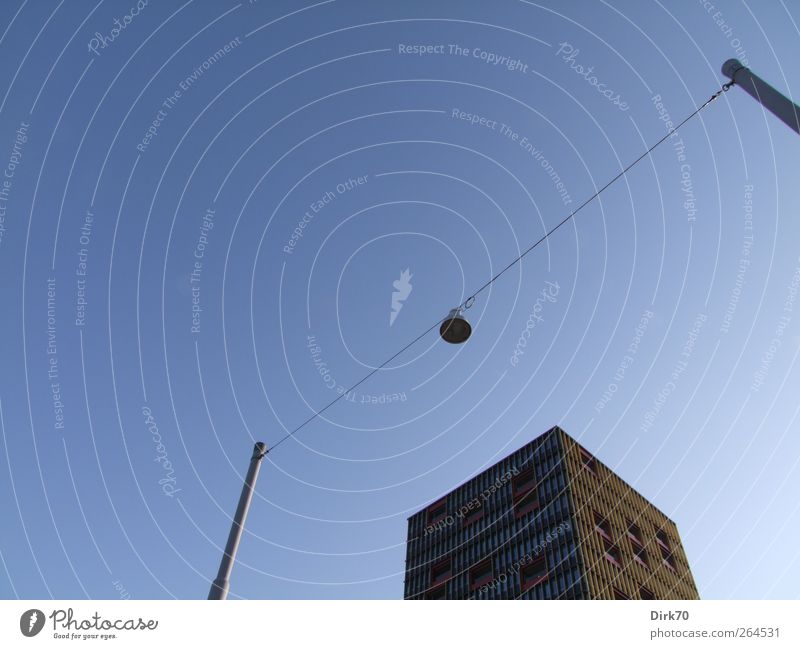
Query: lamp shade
[455, 329]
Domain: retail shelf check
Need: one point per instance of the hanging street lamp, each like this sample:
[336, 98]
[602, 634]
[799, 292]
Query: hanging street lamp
[455, 329]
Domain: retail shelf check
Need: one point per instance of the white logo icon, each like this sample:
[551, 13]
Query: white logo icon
[402, 291]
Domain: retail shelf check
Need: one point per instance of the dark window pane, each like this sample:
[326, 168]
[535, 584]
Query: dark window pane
[441, 571]
[481, 574]
[533, 573]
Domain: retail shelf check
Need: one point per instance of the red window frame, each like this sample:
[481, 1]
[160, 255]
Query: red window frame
[473, 515]
[479, 575]
[526, 504]
[535, 567]
[668, 559]
[640, 554]
[441, 503]
[525, 491]
[433, 593]
[441, 571]
[523, 479]
[635, 533]
[602, 526]
[646, 593]
[612, 552]
[588, 460]
[637, 545]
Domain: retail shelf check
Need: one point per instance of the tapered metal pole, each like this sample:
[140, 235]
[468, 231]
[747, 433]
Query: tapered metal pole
[782, 107]
[220, 586]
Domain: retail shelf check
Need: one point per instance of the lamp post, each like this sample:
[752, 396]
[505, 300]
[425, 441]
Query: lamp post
[782, 107]
[454, 329]
[220, 586]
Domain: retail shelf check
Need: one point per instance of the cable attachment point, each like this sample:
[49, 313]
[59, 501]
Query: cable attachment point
[724, 88]
[470, 301]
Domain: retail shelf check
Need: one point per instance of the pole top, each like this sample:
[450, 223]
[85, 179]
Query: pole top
[259, 451]
[731, 67]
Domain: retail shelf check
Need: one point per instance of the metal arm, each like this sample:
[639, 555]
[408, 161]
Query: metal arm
[783, 108]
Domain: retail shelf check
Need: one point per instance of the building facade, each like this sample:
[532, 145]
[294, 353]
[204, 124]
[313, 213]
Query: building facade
[549, 521]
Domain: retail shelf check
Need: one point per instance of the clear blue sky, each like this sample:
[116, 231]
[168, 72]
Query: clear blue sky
[128, 419]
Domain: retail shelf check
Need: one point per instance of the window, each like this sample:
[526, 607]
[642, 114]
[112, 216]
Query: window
[526, 503]
[441, 571]
[635, 533]
[474, 514]
[612, 553]
[533, 573]
[481, 574]
[440, 592]
[437, 511]
[637, 545]
[639, 554]
[645, 594]
[602, 526]
[618, 594]
[666, 552]
[524, 481]
[525, 495]
[668, 559]
[588, 461]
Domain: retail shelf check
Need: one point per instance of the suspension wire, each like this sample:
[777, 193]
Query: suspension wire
[724, 88]
[471, 299]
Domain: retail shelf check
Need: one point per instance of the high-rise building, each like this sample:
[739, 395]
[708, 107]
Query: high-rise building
[549, 521]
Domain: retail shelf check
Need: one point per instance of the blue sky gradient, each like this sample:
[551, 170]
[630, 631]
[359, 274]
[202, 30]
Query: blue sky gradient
[276, 166]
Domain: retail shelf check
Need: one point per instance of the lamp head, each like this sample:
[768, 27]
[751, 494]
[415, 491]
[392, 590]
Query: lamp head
[455, 329]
